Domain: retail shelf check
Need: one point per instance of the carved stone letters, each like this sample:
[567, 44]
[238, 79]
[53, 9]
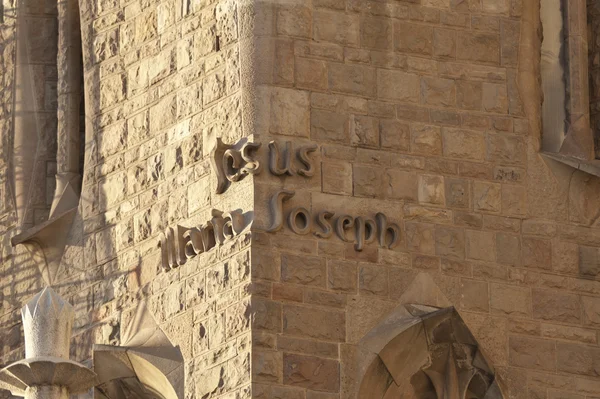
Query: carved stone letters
[231, 164]
[280, 167]
[360, 230]
[179, 244]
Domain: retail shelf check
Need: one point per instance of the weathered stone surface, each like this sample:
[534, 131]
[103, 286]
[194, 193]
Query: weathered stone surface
[413, 38]
[401, 185]
[450, 242]
[308, 322]
[484, 47]
[509, 300]
[431, 190]
[463, 144]
[556, 306]
[311, 372]
[458, 193]
[487, 196]
[536, 253]
[303, 270]
[426, 140]
[532, 353]
[394, 135]
[480, 245]
[396, 85]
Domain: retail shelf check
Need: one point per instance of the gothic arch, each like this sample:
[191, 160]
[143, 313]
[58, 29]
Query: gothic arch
[428, 354]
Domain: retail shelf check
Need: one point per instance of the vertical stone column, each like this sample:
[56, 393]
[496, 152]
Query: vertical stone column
[69, 88]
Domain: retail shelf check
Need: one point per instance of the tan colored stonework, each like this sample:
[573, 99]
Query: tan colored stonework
[423, 116]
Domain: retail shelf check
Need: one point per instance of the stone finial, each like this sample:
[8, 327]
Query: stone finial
[47, 324]
[47, 371]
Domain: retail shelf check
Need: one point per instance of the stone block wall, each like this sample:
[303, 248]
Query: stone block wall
[425, 111]
[162, 82]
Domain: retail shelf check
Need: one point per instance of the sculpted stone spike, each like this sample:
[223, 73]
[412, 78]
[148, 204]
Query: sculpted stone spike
[366, 230]
[309, 169]
[47, 324]
[323, 220]
[274, 159]
[299, 221]
[342, 224]
[216, 161]
[276, 206]
[46, 243]
[47, 371]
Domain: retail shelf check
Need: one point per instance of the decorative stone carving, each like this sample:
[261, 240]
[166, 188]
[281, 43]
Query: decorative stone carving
[342, 224]
[309, 169]
[364, 230]
[280, 167]
[323, 220]
[430, 353]
[389, 233]
[216, 160]
[231, 164]
[275, 165]
[178, 244]
[299, 221]
[47, 371]
[46, 243]
[276, 205]
[147, 364]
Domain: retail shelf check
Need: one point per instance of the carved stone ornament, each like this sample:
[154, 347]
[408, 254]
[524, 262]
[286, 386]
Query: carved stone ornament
[360, 230]
[46, 243]
[179, 244]
[147, 365]
[429, 354]
[47, 372]
[231, 164]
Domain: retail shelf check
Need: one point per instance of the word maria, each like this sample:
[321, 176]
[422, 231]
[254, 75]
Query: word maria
[359, 230]
[179, 244]
[232, 163]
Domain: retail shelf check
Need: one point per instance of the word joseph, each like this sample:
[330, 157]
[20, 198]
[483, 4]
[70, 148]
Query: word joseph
[364, 230]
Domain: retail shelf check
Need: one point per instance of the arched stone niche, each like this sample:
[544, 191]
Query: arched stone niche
[425, 353]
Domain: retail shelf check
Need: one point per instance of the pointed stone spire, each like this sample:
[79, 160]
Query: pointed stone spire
[47, 324]
[47, 371]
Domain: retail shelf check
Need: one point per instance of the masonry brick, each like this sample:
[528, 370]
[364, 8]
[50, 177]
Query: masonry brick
[308, 322]
[413, 38]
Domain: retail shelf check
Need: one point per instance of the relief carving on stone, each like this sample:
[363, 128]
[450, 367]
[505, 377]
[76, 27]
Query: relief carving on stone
[231, 163]
[430, 354]
[179, 244]
[359, 230]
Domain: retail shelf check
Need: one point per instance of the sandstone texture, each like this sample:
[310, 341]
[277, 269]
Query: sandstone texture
[402, 136]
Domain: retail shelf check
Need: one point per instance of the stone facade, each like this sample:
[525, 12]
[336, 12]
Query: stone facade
[396, 165]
